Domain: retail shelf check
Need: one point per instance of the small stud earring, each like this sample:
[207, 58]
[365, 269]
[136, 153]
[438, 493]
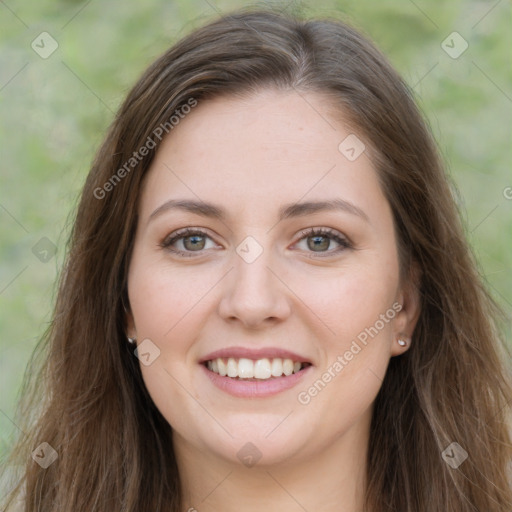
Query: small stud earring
[131, 340]
[402, 343]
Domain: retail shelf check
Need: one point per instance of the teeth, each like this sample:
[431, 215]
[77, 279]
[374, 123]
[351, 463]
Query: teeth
[244, 368]
[223, 370]
[232, 368]
[277, 367]
[262, 369]
[288, 366]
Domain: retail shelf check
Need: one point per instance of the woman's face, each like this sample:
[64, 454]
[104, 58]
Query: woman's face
[264, 237]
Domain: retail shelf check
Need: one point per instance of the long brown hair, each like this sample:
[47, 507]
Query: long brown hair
[115, 448]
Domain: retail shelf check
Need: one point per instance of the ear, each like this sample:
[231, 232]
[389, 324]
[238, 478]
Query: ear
[131, 332]
[407, 318]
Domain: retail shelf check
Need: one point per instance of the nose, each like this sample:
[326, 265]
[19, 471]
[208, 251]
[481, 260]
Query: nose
[254, 294]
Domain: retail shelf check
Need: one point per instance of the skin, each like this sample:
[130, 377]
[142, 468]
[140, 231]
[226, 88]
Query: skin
[252, 155]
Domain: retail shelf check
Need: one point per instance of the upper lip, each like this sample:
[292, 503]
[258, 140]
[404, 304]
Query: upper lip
[252, 353]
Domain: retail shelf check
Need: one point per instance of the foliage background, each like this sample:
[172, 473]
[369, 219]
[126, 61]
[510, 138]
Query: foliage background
[54, 113]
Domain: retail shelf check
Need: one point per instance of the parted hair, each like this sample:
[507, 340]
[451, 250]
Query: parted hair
[88, 399]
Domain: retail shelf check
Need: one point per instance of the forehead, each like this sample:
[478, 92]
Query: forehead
[265, 148]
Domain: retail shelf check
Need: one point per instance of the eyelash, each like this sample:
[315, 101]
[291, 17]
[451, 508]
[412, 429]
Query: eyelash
[310, 232]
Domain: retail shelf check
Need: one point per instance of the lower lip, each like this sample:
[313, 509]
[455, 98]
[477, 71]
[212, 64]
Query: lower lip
[254, 388]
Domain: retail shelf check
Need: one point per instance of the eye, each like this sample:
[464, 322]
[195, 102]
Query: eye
[319, 240]
[192, 241]
[187, 241]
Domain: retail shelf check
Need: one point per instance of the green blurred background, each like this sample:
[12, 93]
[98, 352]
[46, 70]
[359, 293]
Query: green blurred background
[55, 110]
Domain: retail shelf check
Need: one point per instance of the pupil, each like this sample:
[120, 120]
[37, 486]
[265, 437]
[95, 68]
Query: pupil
[197, 242]
[319, 242]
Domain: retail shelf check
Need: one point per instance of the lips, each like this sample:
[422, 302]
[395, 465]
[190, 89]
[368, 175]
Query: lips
[254, 354]
[255, 373]
[255, 388]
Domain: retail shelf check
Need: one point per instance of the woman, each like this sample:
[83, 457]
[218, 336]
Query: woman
[268, 298]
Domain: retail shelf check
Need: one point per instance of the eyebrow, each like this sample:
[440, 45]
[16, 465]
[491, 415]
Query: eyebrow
[285, 212]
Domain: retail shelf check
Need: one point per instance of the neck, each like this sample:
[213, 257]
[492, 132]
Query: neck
[334, 480]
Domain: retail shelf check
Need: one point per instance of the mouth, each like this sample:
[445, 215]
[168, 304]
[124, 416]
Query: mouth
[254, 374]
[245, 369]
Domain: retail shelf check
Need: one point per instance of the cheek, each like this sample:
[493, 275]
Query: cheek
[353, 299]
[174, 395]
[363, 322]
[169, 308]
[360, 313]
[164, 299]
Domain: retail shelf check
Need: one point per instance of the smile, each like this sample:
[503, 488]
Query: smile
[260, 369]
[249, 378]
